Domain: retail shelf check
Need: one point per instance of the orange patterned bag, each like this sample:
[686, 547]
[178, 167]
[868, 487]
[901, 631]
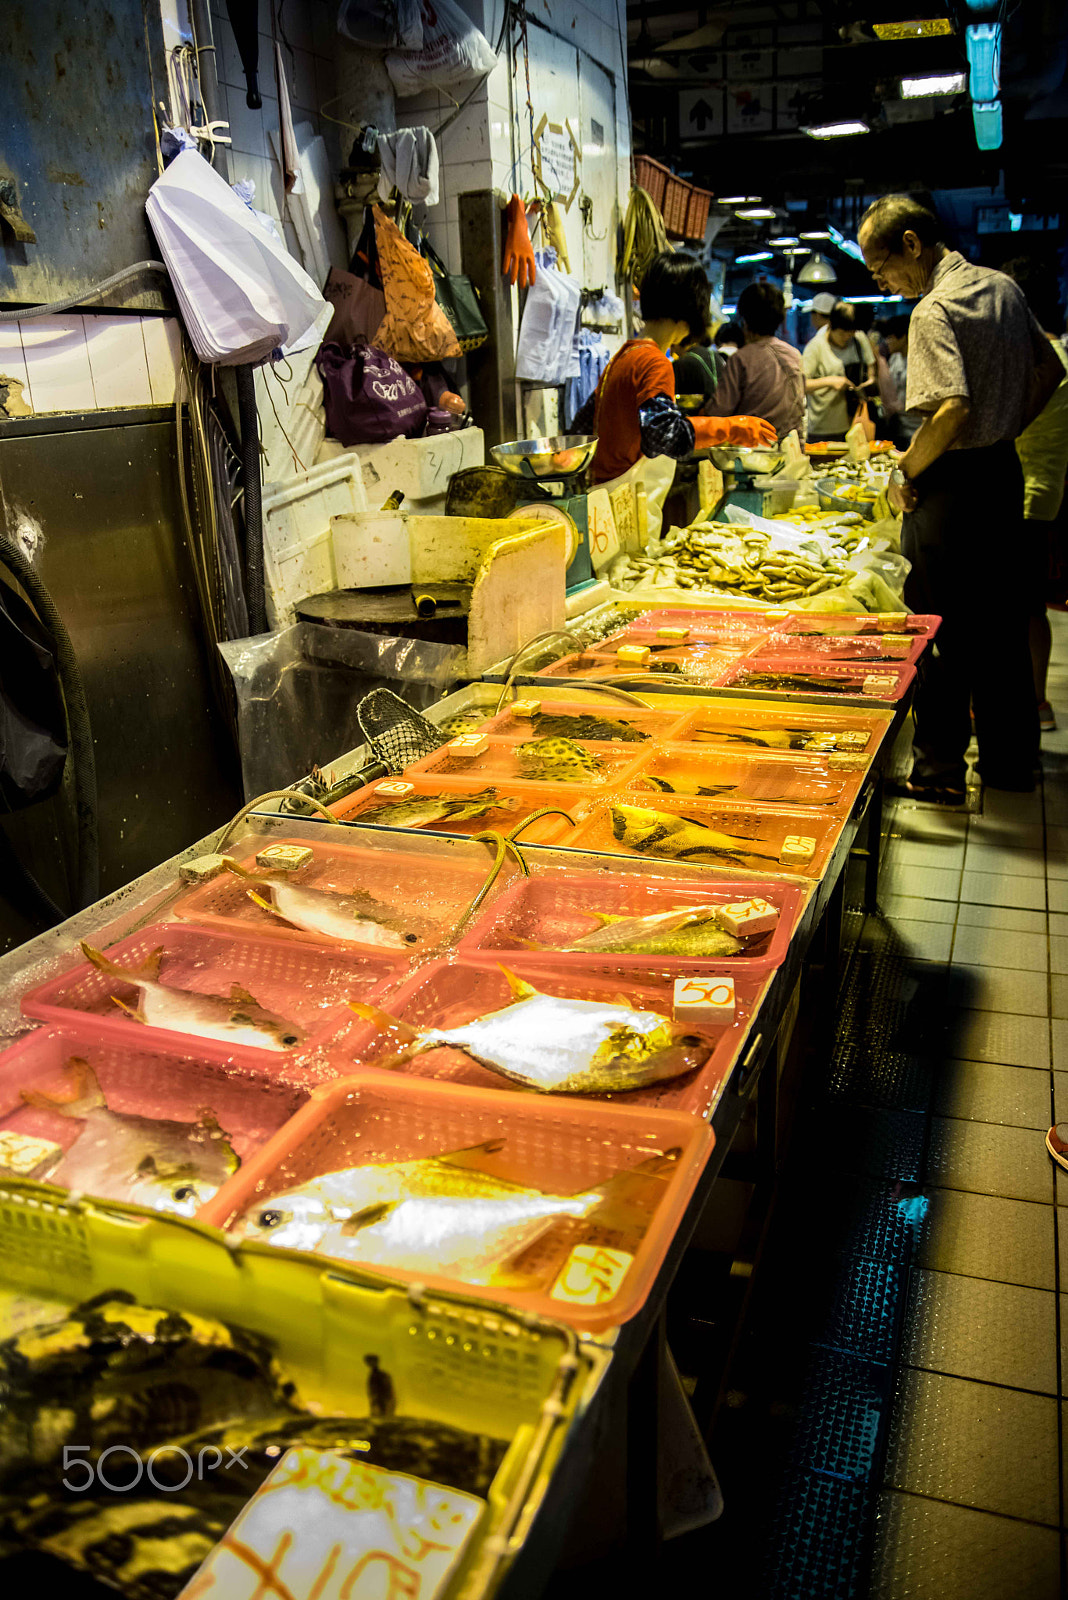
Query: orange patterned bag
[414, 327]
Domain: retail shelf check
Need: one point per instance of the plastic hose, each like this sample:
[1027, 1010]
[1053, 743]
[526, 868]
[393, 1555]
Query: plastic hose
[250, 477]
[55, 306]
[83, 759]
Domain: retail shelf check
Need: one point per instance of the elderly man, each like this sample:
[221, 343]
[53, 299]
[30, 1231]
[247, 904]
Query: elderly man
[980, 369]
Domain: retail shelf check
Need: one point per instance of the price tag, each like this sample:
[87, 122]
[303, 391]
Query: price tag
[678, 634]
[24, 1156]
[284, 857]
[880, 684]
[709, 1000]
[468, 746]
[746, 917]
[635, 655]
[899, 641]
[591, 1275]
[526, 708]
[821, 741]
[853, 739]
[395, 789]
[841, 762]
[797, 849]
[201, 869]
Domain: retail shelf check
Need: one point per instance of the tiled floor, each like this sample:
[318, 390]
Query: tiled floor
[972, 1502]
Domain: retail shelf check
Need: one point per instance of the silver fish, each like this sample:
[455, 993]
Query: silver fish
[550, 1043]
[340, 916]
[423, 810]
[171, 1166]
[236, 1019]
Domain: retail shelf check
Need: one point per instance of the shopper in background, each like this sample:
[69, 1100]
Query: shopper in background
[836, 363]
[728, 338]
[763, 378]
[1043, 452]
[979, 370]
[820, 314]
[633, 412]
[699, 367]
[891, 363]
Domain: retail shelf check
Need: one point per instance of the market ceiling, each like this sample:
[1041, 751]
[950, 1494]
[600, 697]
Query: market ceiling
[721, 94]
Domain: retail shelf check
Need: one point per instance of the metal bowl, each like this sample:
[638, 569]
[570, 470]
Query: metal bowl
[558, 457]
[731, 457]
[831, 499]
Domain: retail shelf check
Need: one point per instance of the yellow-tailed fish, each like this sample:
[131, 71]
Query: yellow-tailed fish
[422, 811]
[657, 833]
[765, 738]
[556, 1044]
[236, 1019]
[171, 1166]
[685, 931]
[340, 916]
[557, 760]
[768, 786]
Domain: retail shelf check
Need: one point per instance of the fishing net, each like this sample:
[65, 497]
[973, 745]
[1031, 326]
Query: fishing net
[395, 733]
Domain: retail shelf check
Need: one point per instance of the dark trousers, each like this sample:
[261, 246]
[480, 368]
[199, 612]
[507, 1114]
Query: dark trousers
[965, 542]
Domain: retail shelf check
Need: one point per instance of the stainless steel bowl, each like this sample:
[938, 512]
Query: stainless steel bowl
[557, 457]
[726, 457]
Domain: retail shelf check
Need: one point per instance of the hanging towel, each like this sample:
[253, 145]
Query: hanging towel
[290, 158]
[409, 163]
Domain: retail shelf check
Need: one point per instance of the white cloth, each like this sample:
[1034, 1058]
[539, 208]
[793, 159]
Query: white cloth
[409, 163]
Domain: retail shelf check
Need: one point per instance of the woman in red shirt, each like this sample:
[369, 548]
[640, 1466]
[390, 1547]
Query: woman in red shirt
[633, 411]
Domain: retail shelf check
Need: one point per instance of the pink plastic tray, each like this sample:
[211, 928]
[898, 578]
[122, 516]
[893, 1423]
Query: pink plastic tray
[502, 763]
[519, 801]
[732, 633]
[863, 647]
[738, 727]
[746, 675]
[555, 910]
[696, 663]
[698, 618]
[421, 900]
[161, 1081]
[766, 827]
[447, 994]
[834, 624]
[304, 985]
[810, 782]
[643, 725]
[553, 1145]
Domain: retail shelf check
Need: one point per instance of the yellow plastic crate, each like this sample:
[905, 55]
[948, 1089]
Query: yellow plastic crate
[452, 1359]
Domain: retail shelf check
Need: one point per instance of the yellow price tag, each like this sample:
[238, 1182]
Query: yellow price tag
[592, 1275]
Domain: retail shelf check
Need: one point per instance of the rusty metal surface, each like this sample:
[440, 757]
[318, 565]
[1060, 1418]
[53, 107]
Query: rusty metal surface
[78, 142]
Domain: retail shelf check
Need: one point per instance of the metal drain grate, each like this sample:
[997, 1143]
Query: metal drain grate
[846, 1399]
[863, 1320]
[819, 1548]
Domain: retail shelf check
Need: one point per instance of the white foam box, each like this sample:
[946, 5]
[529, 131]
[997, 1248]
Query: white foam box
[298, 550]
[420, 467]
[708, 1000]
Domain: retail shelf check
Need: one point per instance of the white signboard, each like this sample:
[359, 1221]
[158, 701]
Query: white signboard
[751, 108]
[700, 113]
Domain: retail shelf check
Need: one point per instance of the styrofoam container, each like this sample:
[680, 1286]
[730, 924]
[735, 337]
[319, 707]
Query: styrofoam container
[143, 1076]
[448, 994]
[372, 549]
[551, 1144]
[517, 803]
[421, 468]
[501, 762]
[304, 986]
[767, 779]
[298, 552]
[555, 911]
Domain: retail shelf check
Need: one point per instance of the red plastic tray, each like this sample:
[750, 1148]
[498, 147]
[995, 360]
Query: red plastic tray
[835, 624]
[502, 764]
[554, 910]
[424, 899]
[730, 633]
[696, 663]
[863, 647]
[554, 1145]
[766, 826]
[161, 1081]
[761, 778]
[447, 994]
[851, 678]
[737, 726]
[304, 984]
[644, 725]
[501, 820]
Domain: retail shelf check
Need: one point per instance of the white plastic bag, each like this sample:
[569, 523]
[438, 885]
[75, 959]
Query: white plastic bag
[382, 24]
[454, 55]
[242, 295]
[546, 334]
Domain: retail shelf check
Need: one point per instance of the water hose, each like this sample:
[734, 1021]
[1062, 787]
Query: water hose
[73, 300]
[271, 794]
[250, 477]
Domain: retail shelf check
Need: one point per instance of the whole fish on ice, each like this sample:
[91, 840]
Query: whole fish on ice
[659, 834]
[340, 916]
[236, 1019]
[171, 1166]
[421, 811]
[554, 1044]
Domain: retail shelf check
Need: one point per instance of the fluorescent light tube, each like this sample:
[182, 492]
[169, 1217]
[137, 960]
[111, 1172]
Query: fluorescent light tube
[836, 130]
[937, 83]
[758, 255]
[756, 214]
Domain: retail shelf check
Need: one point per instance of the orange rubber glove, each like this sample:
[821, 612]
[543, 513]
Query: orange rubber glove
[518, 266]
[751, 432]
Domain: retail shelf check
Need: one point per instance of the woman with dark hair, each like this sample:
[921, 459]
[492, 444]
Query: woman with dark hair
[763, 378]
[633, 410]
[837, 363]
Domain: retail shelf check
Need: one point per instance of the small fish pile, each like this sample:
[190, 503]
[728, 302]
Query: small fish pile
[557, 760]
[659, 834]
[683, 931]
[738, 560]
[423, 810]
[558, 1045]
[357, 918]
[583, 725]
[170, 1166]
[236, 1019]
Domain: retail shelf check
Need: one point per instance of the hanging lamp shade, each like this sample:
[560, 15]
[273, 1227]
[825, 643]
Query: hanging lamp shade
[817, 269]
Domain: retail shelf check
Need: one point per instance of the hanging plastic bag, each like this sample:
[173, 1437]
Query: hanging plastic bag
[454, 55]
[242, 295]
[414, 328]
[368, 397]
[382, 24]
[547, 332]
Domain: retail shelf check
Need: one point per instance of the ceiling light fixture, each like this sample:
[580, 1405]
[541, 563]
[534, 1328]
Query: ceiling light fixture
[836, 130]
[818, 235]
[778, 243]
[937, 83]
[919, 28]
[817, 270]
[756, 214]
[739, 200]
[758, 255]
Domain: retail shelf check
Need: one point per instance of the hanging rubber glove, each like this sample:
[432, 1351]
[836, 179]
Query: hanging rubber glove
[518, 265]
[554, 227]
[751, 432]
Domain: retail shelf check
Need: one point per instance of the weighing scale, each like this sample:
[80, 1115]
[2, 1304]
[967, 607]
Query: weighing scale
[557, 460]
[745, 466]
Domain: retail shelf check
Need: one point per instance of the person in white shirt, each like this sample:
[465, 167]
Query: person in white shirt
[837, 362]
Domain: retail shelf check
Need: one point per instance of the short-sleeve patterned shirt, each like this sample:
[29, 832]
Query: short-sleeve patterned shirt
[973, 336]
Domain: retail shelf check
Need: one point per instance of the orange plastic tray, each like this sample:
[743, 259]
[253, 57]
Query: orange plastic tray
[741, 725]
[728, 632]
[519, 801]
[554, 1145]
[837, 647]
[501, 763]
[420, 900]
[696, 663]
[835, 624]
[763, 827]
[642, 725]
[768, 779]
